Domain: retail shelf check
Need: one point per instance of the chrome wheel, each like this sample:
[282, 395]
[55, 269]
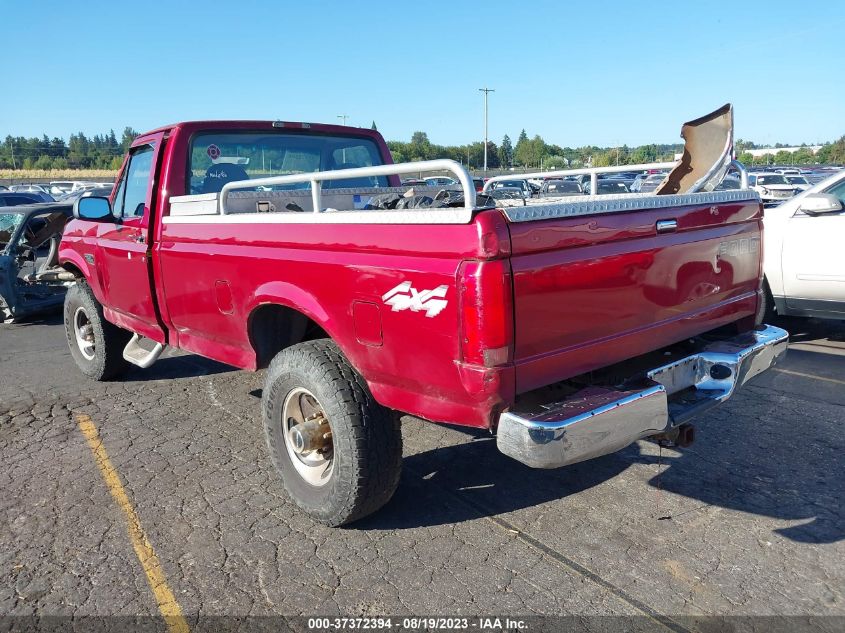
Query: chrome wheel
[308, 437]
[84, 332]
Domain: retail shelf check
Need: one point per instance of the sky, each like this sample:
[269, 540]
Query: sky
[576, 73]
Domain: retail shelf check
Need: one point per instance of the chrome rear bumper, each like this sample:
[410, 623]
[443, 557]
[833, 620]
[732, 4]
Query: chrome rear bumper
[596, 421]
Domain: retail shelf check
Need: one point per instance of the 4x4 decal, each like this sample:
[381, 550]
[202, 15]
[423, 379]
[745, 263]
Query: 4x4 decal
[406, 297]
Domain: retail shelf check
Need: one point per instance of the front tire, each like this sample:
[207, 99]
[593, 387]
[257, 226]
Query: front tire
[338, 451]
[95, 344]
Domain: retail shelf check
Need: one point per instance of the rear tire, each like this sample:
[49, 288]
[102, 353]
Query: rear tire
[766, 311]
[95, 344]
[354, 472]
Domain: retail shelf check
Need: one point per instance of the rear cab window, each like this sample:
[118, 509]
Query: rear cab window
[217, 158]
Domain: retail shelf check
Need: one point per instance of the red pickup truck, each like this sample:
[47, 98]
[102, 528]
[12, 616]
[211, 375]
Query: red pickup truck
[569, 327]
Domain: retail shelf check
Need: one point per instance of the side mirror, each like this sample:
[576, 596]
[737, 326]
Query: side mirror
[820, 203]
[93, 209]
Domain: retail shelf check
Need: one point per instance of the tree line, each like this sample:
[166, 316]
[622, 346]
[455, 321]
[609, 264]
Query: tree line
[535, 153]
[105, 151]
[829, 154]
[102, 151]
[529, 152]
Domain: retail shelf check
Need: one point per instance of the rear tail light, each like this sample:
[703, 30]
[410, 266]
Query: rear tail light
[486, 305]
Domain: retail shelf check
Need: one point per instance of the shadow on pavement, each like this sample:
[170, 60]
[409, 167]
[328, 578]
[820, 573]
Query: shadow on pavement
[183, 366]
[470, 480]
[778, 456]
[781, 492]
[731, 466]
[52, 317]
[804, 330]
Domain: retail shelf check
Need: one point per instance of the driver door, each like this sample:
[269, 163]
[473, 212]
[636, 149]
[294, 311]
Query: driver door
[124, 246]
[814, 259]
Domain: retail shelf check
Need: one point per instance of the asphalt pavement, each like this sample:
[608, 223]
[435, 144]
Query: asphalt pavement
[130, 498]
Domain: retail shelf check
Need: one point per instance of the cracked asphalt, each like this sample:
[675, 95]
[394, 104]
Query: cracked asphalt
[747, 521]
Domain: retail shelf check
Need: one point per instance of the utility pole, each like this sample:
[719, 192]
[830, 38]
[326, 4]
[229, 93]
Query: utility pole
[486, 92]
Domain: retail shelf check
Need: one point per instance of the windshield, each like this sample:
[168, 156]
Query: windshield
[797, 180]
[771, 180]
[220, 158]
[9, 222]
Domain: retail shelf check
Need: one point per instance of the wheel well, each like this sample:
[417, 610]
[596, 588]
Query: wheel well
[72, 269]
[274, 327]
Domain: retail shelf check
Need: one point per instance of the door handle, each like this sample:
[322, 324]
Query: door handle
[139, 238]
[666, 226]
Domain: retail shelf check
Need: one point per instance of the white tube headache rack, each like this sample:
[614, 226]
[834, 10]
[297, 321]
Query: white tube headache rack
[316, 179]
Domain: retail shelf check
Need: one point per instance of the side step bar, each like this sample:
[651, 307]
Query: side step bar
[137, 355]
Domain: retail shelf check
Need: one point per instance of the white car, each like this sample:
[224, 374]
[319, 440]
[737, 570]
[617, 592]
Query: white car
[69, 186]
[804, 257]
[773, 188]
[27, 188]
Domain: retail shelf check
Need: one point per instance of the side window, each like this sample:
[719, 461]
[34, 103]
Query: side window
[838, 190]
[117, 208]
[131, 195]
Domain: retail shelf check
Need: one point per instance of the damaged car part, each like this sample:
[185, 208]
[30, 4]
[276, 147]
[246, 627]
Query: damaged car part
[708, 149]
[30, 279]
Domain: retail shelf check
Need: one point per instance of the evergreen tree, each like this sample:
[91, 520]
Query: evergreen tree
[128, 136]
[519, 151]
[506, 152]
